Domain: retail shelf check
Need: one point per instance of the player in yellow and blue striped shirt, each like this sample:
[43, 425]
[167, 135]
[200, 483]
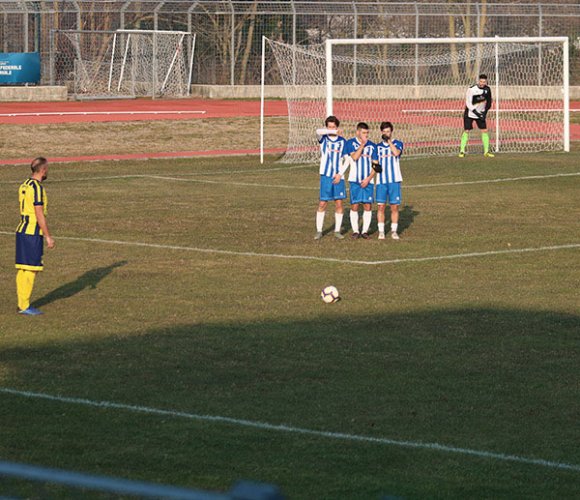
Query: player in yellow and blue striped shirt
[30, 234]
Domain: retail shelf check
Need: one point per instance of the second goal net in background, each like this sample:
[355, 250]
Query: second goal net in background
[123, 63]
[420, 86]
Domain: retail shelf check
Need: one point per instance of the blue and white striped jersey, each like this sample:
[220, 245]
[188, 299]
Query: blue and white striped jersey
[332, 149]
[390, 163]
[363, 166]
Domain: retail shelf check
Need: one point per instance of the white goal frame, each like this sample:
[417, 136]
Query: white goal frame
[154, 33]
[331, 43]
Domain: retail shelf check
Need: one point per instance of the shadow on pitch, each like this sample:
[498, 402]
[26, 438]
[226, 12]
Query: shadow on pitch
[88, 280]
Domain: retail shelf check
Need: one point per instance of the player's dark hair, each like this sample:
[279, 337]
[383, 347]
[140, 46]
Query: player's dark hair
[38, 163]
[362, 125]
[483, 77]
[332, 119]
[385, 125]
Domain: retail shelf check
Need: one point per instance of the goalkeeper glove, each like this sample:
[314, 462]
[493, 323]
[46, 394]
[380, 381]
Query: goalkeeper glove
[376, 166]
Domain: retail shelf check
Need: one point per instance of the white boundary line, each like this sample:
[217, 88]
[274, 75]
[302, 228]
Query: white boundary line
[182, 178]
[221, 183]
[491, 181]
[141, 176]
[295, 430]
[314, 258]
[90, 113]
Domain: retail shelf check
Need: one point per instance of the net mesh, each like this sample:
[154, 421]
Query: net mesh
[421, 89]
[119, 64]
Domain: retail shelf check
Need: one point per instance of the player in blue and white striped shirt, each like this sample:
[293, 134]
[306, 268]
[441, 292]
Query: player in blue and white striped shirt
[332, 185]
[361, 152]
[389, 181]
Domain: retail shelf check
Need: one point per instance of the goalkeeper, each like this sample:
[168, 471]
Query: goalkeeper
[477, 104]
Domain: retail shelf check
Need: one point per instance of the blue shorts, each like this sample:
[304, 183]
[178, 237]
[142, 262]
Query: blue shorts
[389, 193]
[29, 250]
[361, 195]
[330, 191]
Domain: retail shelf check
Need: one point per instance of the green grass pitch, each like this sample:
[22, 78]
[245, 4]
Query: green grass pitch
[193, 286]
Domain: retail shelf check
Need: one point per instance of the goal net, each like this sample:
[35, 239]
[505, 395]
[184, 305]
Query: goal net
[123, 63]
[420, 86]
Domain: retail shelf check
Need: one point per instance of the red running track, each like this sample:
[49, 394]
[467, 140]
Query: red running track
[144, 109]
[29, 113]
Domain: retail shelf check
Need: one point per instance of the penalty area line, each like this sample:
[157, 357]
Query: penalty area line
[315, 258]
[265, 426]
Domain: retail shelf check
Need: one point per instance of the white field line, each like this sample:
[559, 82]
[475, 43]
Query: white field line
[141, 176]
[295, 430]
[491, 181]
[90, 113]
[221, 183]
[315, 258]
[182, 179]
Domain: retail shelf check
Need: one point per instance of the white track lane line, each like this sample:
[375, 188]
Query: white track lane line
[296, 430]
[216, 251]
[90, 113]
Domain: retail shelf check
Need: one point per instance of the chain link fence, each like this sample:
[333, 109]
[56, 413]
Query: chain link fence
[229, 31]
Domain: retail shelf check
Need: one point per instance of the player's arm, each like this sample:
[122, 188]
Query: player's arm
[345, 163]
[41, 219]
[488, 102]
[321, 132]
[366, 181]
[355, 155]
[469, 102]
[395, 151]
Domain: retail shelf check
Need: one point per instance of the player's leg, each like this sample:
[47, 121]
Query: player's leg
[467, 126]
[381, 197]
[24, 285]
[325, 197]
[381, 220]
[339, 194]
[484, 138]
[338, 215]
[394, 221]
[367, 218]
[394, 202]
[355, 198]
[29, 250]
[320, 213]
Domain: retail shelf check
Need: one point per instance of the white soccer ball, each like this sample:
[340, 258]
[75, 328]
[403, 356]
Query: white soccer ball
[330, 294]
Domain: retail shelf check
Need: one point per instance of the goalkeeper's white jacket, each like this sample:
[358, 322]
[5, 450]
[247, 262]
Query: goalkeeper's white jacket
[477, 99]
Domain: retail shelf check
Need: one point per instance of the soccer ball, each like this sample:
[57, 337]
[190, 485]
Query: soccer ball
[330, 295]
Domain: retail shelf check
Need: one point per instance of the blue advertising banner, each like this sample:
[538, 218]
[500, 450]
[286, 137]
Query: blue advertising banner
[18, 67]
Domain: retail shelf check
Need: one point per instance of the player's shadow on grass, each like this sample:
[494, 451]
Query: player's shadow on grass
[88, 280]
[406, 218]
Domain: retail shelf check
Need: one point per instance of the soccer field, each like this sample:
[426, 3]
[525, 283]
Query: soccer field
[184, 340]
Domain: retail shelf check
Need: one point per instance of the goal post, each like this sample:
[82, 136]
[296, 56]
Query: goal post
[419, 84]
[124, 62]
